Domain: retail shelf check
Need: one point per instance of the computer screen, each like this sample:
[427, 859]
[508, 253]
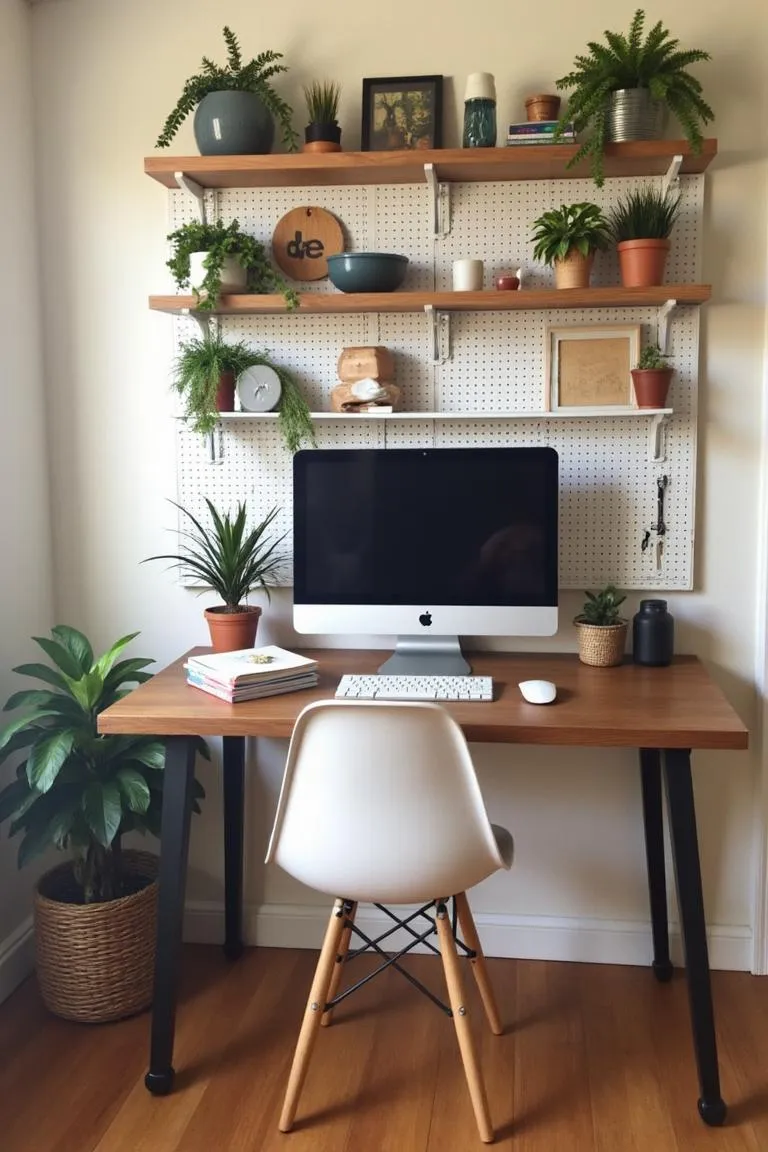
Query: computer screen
[444, 541]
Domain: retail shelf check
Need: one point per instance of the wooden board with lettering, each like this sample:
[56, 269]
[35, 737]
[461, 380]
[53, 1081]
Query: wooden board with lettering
[303, 240]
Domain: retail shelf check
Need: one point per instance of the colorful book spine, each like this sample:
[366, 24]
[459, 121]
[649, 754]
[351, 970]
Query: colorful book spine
[547, 141]
[537, 128]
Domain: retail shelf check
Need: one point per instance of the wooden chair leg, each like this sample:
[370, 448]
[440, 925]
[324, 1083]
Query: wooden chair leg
[479, 969]
[312, 1015]
[463, 1030]
[338, 967]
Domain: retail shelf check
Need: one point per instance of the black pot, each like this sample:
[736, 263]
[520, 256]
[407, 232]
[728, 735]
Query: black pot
[653, 634]
[329, 132]
[233, 124]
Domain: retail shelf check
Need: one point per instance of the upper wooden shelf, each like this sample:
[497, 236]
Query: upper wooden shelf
[533, 162]
[338, 302]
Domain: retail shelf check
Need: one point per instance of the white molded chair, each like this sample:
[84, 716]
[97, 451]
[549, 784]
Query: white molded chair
[380, 803]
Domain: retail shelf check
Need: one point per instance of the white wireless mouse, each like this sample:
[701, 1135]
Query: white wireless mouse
[538, 691]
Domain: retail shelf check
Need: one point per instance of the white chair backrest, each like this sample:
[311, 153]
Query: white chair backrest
[380, 802]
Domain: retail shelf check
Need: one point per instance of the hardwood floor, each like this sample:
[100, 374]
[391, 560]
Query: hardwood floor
[593, 1059]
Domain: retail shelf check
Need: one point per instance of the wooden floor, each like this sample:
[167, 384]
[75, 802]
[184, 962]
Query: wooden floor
[593, 1058]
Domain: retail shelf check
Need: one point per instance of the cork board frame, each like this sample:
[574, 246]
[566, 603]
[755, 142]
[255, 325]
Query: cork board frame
[588, 368]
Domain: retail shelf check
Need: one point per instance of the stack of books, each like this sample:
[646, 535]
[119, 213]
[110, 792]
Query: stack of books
[250, 673]
[538, 132]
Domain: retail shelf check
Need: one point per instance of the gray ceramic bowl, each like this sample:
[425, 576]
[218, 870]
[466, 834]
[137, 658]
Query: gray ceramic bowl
[367, 271]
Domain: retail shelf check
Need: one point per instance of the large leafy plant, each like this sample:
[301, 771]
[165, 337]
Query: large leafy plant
[74, 789]
[602, 608]
[630, 61]
[253, 76]
[647, 214]
[571, 227]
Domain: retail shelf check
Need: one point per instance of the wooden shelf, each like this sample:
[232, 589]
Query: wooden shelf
[339, 302]
[586, 414]
[532, 162]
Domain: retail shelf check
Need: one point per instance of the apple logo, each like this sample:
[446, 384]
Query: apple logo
[425, 619]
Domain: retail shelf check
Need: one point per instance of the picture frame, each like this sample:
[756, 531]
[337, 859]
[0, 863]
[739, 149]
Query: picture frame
[588, 368]
[402, 112]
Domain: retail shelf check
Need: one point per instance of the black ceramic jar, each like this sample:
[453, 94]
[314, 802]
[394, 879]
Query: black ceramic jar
[653, 634]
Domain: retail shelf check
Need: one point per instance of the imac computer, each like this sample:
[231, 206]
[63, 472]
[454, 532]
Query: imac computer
[427, 544]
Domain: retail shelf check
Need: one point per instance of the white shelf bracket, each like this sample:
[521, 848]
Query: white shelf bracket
[657, 438]
[672, 176]
[662, 325]
[203, 322]
[440, 330]
[192, 188]
[441, 202]
[214, 445]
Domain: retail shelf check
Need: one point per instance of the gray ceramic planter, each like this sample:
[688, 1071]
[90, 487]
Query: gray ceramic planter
[233, 124]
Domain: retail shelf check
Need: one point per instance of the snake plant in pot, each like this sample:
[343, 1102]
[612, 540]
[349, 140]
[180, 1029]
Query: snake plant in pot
[602, 631]
[81, 792]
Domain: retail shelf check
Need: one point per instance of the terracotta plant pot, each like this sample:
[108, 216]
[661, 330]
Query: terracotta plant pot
[602, 645]
[642, 262]
[225, 393]
[651, 386]
[542, 107]
[231, 631]
[322, 138]
[574, 271]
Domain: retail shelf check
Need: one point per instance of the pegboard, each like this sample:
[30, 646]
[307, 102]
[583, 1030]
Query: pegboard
[608, 484]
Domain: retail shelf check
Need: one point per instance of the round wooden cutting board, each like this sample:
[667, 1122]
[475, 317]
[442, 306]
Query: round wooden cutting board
[302, 241]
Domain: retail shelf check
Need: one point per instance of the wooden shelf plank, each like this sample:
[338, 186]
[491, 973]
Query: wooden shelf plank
[532, 162]
[613, 412]
[339, 302]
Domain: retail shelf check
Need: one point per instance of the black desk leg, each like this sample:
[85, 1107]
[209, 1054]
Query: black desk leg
[685, 849]
[650, 777]
[174, 849]
[234, 801]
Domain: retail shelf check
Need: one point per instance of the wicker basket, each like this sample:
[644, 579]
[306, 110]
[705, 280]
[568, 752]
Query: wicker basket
[602, 645]
[95, 962]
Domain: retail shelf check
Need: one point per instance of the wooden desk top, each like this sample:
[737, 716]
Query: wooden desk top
[635, 707]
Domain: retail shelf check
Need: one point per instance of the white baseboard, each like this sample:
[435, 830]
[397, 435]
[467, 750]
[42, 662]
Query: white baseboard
[519, 937]
[17, 958]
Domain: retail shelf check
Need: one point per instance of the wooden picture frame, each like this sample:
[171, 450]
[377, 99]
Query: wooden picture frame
[402, 112]
[588, 368]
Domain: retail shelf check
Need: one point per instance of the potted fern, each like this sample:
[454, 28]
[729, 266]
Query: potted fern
[322, 134]
[618, 90]
[567, 238]
[602, 631]
[80, 792]
[640, 225]
[651, 378]
[235, 106]
[205, 374]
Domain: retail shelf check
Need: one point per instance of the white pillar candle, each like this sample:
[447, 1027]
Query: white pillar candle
[467, 275]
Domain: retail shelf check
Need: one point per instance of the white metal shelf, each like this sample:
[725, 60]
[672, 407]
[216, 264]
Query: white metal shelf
[582, 414]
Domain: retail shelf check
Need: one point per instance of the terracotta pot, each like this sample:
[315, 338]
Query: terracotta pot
[651, 386]
[321, 146]
[641, 262]
[542, 107]
[574, 271]
[231, 631]
[322, 138]
[602, 645]
[225, 393]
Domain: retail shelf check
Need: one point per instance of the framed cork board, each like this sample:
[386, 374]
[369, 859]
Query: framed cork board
[589, 368]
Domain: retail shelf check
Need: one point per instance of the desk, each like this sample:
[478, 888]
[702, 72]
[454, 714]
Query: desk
[662, 712]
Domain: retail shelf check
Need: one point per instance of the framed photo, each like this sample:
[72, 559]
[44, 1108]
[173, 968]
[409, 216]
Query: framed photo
[402, 112]
[589, 368]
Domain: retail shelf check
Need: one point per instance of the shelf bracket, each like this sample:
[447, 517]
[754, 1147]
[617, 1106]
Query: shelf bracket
[441, 202]
[657, 438]
[662, 325]
[672, 176]
[440, 330]
[193, 189]
[214, 443]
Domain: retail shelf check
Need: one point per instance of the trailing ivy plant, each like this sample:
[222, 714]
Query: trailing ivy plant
[254, 76]
[655, 63]
[219, 240]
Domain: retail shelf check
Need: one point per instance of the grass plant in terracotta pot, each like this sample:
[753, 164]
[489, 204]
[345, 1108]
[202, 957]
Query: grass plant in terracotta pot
[205, 373]
[322, 134]
[602, 631]
[567, 238]
[231, 560]
[641, 224]
[651, 378]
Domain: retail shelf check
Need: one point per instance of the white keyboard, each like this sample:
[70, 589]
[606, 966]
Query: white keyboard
[415, 688]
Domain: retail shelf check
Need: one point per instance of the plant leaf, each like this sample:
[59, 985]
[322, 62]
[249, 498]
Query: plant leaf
[36, 841]
[134, 788]
[76, 644]
[105, 662]
[12, 798]
[103, 810]
[152, 754]
[20, 723]
[61, 657]
[43, 672]
[47, 757]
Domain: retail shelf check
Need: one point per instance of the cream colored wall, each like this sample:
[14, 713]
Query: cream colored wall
[105, 76]
[25, 575]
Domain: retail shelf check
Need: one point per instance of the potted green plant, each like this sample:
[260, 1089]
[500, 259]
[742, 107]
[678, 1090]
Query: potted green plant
[568, 237]
[231, 560]
[618, 89]
[640, 225]
[651, 378]
[322, 134]
[602, 631]
[205, 373]
[235, 106]
[81, 792]
[216, 259]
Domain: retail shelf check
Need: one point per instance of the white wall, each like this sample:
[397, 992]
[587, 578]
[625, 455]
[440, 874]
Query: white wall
[105, 77]
[25, 566]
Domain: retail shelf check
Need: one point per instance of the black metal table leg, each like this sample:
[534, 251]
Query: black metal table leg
[650, 777]
[234, 800]
[174, 849]
[685, 849]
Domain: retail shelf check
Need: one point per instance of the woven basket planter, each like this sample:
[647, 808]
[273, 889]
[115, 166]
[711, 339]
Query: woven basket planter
[95, 962]
[602, 645]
